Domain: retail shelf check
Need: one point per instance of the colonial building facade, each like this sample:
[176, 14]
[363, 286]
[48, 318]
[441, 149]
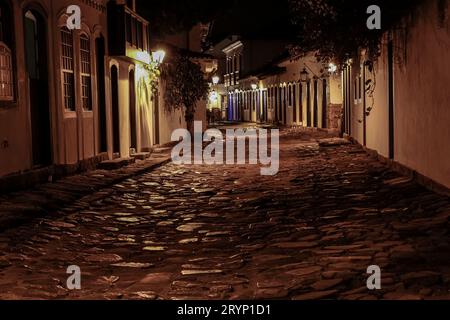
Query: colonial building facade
[292, 92]
[132, 110]
[51, 109]
[70, 99]
[242, 58]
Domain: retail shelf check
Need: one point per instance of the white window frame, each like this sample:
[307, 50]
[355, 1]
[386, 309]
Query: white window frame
[68, 69]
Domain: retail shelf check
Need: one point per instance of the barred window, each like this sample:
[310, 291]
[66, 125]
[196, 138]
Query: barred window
[240, 63]
[146, 38]
[86, 91]
[248, 100]
[139, 35]
[6, 74]
[2, 21]
[68, 69]
[269, 96]
[6, 55]
[128, 28]
[253, 100]
[245, 100]
[290, 95]
[134, 31]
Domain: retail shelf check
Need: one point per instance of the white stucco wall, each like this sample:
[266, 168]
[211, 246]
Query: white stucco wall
[169, 122]
[378, 118]
[422, 95]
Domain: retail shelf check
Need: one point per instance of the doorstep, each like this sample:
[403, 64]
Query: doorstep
[116, 163]
[141, 155]
[404, 170]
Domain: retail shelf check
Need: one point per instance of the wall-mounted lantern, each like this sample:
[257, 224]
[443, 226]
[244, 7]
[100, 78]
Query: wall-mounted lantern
[332, 68]
[158, 56]
[215, 80]
[304, 75]
[254, 86]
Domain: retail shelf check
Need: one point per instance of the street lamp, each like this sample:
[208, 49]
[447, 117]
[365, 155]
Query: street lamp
[332, 68]
[215, 80]
[254, 86]
[304, 75]
[158, 56]
[213, 97]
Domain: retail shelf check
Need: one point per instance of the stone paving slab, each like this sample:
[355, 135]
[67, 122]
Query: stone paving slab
[226, 232]
[23, 206]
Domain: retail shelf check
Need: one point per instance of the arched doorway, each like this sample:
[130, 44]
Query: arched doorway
[284, 104]
[133, 129]
[101, 96]
[324, 104]
[275, 102]
[156, 115]
[391, 106]
[264, 106]
[316, 104]
[308, 104]
[115, 108]
[37, 72]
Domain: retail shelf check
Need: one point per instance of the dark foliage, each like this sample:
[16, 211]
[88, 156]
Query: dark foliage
[185, 85]
[335, 29]
[249, 18]
[261, 19]
[171, 16]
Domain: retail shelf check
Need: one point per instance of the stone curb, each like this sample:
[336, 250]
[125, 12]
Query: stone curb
[417, 177]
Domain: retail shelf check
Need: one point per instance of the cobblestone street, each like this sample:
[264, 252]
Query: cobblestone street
[226, 232]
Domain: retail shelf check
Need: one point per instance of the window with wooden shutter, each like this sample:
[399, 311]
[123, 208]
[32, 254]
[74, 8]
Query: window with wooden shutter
[68, 69]
[86, 91]
[6, 54]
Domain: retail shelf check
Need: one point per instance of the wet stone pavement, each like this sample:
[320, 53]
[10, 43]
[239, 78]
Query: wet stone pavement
[226, 232]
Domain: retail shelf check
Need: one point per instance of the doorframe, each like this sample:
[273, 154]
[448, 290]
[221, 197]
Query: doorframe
[316, 104]
[102, 119]
[391, 98]
[308, 104]
[300, 103]
[115, 109]
[325, 103]
[364, 75]
[156, 105]
[133, 110]
[41, 17]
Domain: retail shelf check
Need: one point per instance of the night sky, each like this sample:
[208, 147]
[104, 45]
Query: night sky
[250, 18]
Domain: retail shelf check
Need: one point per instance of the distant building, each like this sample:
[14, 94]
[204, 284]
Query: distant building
[295, 91]
[264, 84]
[240, 57]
